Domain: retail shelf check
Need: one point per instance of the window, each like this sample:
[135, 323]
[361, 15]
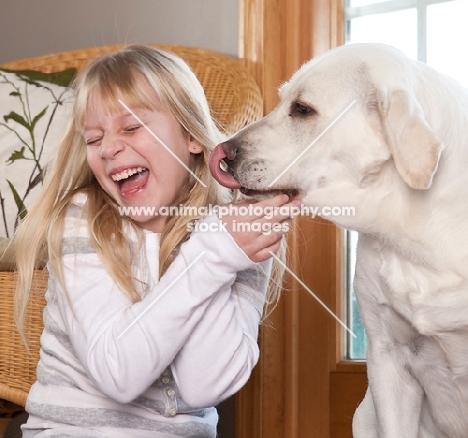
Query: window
[432, 31]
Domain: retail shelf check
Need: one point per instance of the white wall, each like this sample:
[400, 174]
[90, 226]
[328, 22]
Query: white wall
[33, 28]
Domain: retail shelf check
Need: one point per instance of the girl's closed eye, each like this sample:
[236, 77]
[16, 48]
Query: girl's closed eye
[93, 141]
[133, 128]
[96, 141]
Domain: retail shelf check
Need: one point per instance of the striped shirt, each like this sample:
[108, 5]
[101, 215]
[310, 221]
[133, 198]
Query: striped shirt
[156, 368]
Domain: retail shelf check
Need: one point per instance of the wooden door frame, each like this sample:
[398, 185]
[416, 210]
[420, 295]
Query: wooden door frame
[277, 36]
[299, 382]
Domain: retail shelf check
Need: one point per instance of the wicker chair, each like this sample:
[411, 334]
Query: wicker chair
[235, 101]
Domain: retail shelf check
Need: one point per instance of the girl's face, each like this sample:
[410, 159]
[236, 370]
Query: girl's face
[133, 163]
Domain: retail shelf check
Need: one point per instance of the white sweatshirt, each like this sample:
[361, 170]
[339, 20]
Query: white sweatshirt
[154, 368]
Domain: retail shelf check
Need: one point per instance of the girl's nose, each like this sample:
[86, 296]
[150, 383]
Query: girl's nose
[111, 146]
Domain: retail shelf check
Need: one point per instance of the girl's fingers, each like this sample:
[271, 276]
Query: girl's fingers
[262, 226]
[266, 252]
[258, 246]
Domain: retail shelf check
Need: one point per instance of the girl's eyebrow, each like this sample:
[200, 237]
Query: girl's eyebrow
[124, 116]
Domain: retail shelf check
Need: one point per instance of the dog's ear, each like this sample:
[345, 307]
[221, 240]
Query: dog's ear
[413, 144]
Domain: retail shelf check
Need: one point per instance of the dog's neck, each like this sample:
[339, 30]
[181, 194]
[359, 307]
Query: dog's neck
[398, 217]
[426, 227]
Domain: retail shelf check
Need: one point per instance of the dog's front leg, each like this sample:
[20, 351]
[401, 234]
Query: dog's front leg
[395, 410]
[365, 419]
[396, 395]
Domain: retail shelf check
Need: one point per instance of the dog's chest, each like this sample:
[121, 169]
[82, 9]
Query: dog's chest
[408, 286]
[407, 299]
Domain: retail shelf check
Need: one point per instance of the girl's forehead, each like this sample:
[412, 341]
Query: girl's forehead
[114, 101]
[96, 117]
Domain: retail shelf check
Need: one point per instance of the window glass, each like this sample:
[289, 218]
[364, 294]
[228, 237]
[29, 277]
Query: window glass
[447, 35]
[354, 3]
[395, 28]
[356, 346]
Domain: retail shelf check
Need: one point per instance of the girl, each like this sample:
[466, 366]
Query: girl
[147, 326]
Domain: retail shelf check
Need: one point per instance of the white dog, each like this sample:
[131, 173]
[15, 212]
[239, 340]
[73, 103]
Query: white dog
[397, 150]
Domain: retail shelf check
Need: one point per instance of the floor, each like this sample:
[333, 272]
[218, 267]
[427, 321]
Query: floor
[9, 418]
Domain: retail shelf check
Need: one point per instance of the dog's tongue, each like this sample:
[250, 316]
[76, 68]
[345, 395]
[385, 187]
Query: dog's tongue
[223, 177]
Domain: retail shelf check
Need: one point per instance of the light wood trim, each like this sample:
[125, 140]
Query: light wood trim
[346, 392]
[277, 36]
[338, 301]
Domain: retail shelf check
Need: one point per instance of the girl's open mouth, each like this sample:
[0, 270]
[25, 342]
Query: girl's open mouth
[131, 181]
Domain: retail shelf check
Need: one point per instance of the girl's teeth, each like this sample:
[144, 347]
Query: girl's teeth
[127, 173]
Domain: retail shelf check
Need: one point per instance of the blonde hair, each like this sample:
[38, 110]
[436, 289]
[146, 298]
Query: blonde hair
[104, 78]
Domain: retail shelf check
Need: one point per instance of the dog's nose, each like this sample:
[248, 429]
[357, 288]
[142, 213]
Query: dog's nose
[230, 149]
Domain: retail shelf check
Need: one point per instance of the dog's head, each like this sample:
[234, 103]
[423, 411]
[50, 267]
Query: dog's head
[348, 125]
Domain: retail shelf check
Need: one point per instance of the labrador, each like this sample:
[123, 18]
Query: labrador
[364, 125]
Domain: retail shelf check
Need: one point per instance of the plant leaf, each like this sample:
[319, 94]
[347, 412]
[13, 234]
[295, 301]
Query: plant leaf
[62, 78]
[18, 119]
[16, 155]
[19, 203]
[39, 116]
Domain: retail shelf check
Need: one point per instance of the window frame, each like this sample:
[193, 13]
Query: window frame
[351, 12]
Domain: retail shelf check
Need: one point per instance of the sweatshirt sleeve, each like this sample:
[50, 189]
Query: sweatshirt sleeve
[124, 347]
[222, 350]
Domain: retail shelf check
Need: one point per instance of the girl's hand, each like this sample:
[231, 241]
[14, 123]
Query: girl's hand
[258, 227]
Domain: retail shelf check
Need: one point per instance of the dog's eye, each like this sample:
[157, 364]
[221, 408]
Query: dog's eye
[300, 109]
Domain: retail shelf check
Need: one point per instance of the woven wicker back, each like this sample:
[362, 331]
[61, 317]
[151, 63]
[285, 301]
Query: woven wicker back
[230, 89]
[17, 364]
[235, 101]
